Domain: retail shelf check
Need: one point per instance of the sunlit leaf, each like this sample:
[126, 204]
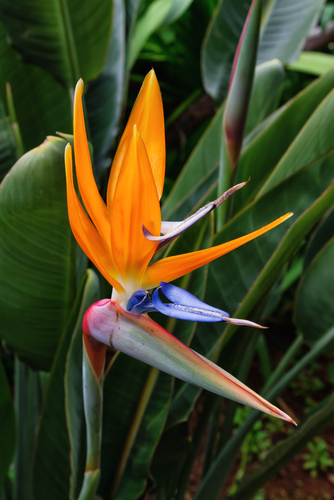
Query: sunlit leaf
[314, 63]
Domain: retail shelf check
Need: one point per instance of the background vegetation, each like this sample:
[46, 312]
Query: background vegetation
[168, 440]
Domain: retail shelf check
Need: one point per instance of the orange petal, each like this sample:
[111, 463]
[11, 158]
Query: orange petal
[147, 113]
[91, 198]
[84, 231]
[172, 268]
[135, 203]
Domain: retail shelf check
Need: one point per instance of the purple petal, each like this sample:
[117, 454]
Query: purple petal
[140, 302]
[185, 306]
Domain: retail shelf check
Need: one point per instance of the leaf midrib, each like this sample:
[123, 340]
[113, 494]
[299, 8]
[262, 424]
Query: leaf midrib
[68, 43]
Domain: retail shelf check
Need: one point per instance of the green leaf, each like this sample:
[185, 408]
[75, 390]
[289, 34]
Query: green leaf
[105, 94]
[314, 313]
[314, 140]
[214, 479]
[153, 17]
[262, 155]
[73, 388]
[8, 151]
[269, 75]
[253, 268]
[131, 11]
[125, 390]
[68, 39]
[135, 474]
[56, 458]
[198, 177]
[285, 26]
[220, 44]
[176, 10]
[323, 233]
[27, 395]
[42, 105]
[36, 253]
[238, 97]
[285, 450]
[169, 456]
[313, 63]
[158, 13]
[8, 426]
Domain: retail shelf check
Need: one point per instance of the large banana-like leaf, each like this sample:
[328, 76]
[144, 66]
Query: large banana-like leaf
[314, 313]
[37, 276]
[276, 142]
[74, 405]
[259, 157]
[105, 94]
[199, 175]
[131, 435]
[241, 267]
[285, 25]
[314, 140]
[289, 245]
[320, 237]
[68, 38]
[220, 45]
[269, 75]
[252, 271]
[57, 462]
[42, 105]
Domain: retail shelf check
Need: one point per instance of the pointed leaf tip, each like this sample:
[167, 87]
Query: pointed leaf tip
[241, 83]
[140, 337]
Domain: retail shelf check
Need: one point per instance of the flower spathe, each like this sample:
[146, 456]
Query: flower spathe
[140, 337]
[121, 236]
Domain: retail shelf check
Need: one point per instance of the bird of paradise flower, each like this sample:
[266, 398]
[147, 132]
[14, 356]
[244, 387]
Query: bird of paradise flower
[122, 235]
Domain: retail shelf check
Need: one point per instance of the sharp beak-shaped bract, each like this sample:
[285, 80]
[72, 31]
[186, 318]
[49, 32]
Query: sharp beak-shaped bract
[142, 338]
[121, 236]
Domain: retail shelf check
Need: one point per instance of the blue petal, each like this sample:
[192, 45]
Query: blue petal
[140, 302]
[185, 306]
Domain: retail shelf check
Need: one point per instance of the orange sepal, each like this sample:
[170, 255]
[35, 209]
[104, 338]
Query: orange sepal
[147, 113]
[135, 203]
[84, 231]
[91, 198]
[174, 267]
